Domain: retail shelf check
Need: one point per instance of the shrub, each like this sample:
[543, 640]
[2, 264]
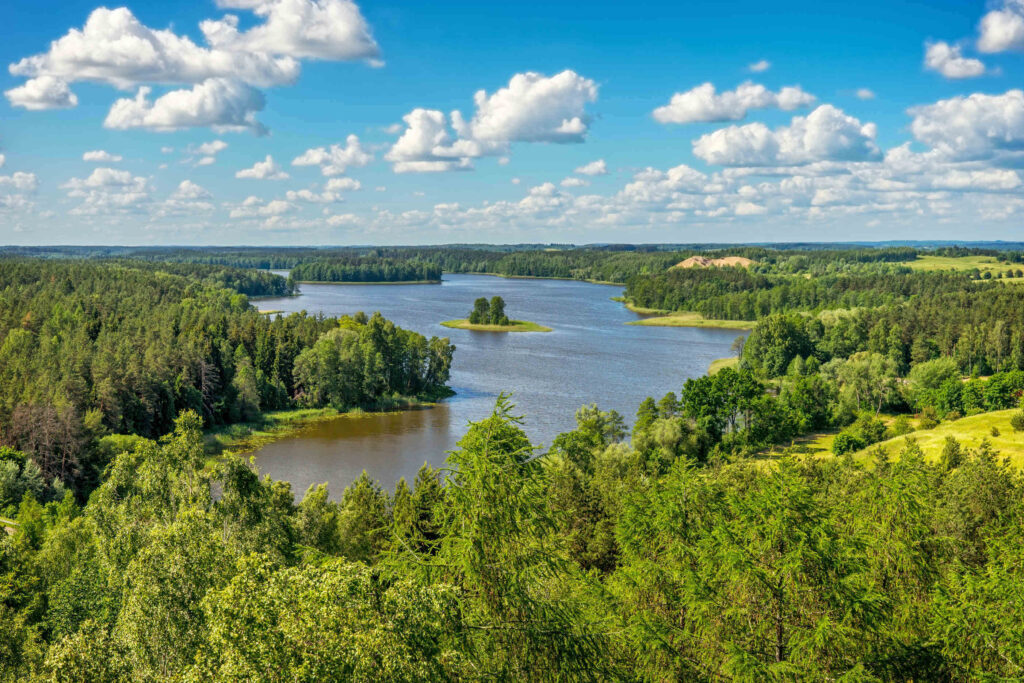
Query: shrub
[994, 431]
[845, 442]
[1017, 421]
[899, 427]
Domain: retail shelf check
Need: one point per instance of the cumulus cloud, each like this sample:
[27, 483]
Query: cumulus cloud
[108, 191]
[572, 181]
[115, 47]
[44, 92]
[207, 152]
[336, 159]
[426, 145]
[220, 103]
[1002, 29]
[864, 94]
[974, 127]
[535, 108]
[827, 133]
[947, 60]
[19, 182]
[704, 104]
[531, 108]
[255, 207]
[263, 170]
[190, 190]
[598, 167]
[759, 66]
[315, 29]
[102, 156]
[343, 185]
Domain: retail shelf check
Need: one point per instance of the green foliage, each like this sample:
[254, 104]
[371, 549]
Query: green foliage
[488, 312]
[366, 269]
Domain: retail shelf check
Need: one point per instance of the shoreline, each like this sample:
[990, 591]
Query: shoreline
[382, 282]
[248, 437]
[692, 320]
[515, 326]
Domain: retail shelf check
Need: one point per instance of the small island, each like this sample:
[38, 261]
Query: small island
[490, 316]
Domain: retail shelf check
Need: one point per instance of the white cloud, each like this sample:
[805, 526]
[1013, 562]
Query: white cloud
[342, 219]
[336, 159]
[947, 60]
[531, 108]
[1002, 29]
[190, 190]
[315, 29]
[864, 94]
[211, 148]
[760, 66]
[704, 104]
[598, 167]
[534, 108]
[255, 207]
[114, 47]
[263, 170]
[572, 181]
[342, 185]
[425, 146]
[220, 103]
[44, 92]
[827, 133]
[974, 127]
[19, 182]
[108, 191]
[102, 156]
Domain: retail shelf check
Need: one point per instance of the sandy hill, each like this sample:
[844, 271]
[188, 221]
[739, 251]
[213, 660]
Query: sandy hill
[704, 262]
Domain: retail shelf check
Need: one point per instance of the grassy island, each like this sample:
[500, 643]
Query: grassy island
[512, 326]
[489, 316]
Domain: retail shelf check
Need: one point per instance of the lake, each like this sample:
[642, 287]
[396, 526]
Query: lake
[591, 356]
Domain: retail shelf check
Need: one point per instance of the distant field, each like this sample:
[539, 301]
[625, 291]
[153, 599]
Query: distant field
[692, 320]
[982, 263]
[969, 431]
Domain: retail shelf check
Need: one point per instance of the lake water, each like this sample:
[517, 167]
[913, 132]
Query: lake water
[591, 356]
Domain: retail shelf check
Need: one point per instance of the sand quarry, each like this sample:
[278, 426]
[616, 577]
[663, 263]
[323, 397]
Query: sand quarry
[704, 262]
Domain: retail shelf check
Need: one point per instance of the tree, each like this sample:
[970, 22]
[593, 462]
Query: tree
[496, 314]
[481, 313]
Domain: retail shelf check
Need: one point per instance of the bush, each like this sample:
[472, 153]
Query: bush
[846, 442]
[1017, 421]
[899, 427]
[994, 431]
[953, 415]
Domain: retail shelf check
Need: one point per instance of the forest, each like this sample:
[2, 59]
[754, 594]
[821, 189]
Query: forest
[356, 269]
[91, 350]
[700, 542]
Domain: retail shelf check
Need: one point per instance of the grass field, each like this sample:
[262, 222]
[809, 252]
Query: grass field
[969, 431]
[515, 326]
[982, 263]
[722, 363]
[692, 320]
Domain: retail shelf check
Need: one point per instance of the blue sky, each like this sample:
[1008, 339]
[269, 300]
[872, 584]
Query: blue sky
[822, 121]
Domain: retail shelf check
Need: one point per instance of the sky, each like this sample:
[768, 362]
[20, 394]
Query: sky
[329, 122]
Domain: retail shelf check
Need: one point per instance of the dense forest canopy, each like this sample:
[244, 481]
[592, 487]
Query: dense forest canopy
[90, 348]
[366, 269]
[700, 543]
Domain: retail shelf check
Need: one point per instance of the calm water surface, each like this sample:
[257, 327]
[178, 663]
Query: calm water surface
[590, 357]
